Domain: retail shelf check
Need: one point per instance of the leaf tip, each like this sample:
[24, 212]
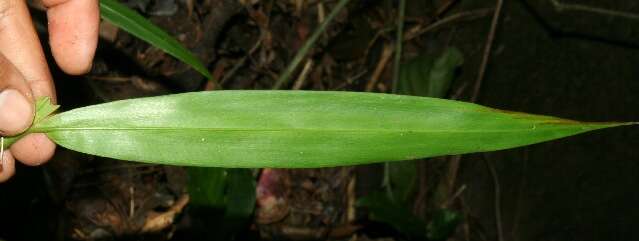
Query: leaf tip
[604, 125]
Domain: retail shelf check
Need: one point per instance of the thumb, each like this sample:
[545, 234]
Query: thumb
[16, 101]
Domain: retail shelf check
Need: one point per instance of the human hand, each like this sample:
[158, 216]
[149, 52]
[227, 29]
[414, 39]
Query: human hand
[24, 74]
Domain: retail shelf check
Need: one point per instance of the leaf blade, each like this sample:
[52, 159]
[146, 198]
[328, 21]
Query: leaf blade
[206, 186]
[296, 128]
[132, 22]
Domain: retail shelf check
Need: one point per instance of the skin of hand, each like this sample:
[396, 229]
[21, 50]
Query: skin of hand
[24, 74]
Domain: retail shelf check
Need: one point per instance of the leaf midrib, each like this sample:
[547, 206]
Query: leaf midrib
[534, 128]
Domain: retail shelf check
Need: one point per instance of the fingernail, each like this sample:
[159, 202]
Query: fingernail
[16, 113]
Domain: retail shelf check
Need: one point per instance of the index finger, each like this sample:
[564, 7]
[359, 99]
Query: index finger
[73, 33]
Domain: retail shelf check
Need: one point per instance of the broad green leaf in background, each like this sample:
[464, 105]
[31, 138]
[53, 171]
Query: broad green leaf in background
[403, 179]
[240, 194]
[295, 129]
[443, 72]
[231, 191]
[382, 209]
[207, 186]
[425, 76]
[222, 200]
[240, 199]
[130, 21]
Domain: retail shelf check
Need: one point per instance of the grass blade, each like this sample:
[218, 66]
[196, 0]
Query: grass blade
[284, 77]
[296, 129]
[428, 76]
[132, 22]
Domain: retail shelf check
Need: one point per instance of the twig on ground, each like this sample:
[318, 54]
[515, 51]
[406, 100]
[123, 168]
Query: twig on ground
[301, 79]
[559, 6]
[457, 94]
[493, 173]
[520, 191]
[387, 52]
[156, 221]
[422, 191]
[452, 198]
[398, 44]
[372, 42]
[321, 15]
[349, 80]
[284, 77]
[132, 201]
[487, 50]
[470, 15]
[444, 7]
[466, 224]
[453, 168]
[241, 63]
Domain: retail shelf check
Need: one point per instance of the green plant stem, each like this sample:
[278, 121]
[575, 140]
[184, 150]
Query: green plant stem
[8, 141]
[386, 182]
[398, 43]
[284, 78]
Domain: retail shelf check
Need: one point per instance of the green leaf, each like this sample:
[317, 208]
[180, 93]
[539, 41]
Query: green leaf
[232, 189]
[240, 199]
[132, 22]
[413, 76]
[295, 129]
[424, 77]
[240, 194]
[222, 200]
[443, 72]
[403, 177]
[207, 186]
[382, 209]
